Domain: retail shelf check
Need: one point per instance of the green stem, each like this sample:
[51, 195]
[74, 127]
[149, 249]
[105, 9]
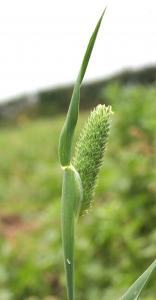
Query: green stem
[71, 196]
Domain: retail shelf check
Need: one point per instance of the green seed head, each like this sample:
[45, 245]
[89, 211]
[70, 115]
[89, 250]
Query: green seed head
[90, 150]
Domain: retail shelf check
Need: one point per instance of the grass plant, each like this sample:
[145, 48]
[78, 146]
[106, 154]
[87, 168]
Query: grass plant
[80, 173]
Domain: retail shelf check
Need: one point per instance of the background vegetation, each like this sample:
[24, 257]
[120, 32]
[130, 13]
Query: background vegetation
[116, 240]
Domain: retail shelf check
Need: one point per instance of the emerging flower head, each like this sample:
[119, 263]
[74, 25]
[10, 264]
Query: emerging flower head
[90, 150]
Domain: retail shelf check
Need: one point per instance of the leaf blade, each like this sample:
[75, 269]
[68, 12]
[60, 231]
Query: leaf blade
[135, 290]
[67, 133]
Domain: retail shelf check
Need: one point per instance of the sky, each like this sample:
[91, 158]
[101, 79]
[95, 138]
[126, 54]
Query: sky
[42, 42]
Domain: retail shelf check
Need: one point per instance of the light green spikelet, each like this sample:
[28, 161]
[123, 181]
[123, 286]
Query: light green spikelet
[90, 150]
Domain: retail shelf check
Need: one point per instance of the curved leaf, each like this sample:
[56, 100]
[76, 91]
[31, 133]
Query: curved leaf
[135, 290]
[66, 137]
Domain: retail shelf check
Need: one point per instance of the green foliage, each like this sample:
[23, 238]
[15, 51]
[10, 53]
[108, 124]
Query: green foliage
[135, 290]
[116, 242]
[67, 132]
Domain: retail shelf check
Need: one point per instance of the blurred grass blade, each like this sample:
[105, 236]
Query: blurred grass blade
[66, 137]
[135, 290]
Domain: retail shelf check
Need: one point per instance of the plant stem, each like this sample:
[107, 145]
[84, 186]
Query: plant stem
[67, 221]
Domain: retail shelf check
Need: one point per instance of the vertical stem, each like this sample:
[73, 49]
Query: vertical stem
[67, 222]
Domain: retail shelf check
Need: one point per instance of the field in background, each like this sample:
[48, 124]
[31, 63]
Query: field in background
[115, 241]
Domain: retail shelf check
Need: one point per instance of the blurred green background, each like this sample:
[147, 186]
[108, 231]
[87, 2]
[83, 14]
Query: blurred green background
[116, 241]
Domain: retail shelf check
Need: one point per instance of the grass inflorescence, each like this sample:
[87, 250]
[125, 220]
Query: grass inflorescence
[90, 150]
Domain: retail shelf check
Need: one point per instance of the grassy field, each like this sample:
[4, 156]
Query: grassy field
[115, 241]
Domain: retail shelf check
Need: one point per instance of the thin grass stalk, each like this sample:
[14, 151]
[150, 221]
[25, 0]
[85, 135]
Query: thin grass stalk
[72, 192]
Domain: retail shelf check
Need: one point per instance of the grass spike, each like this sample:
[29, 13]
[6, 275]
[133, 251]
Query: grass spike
[90, 150]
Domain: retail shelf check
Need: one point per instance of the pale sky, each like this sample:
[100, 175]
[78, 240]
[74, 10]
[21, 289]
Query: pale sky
[42, 42]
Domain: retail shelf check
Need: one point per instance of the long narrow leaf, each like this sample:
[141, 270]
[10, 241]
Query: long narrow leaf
[66, 137]
[135, 290]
